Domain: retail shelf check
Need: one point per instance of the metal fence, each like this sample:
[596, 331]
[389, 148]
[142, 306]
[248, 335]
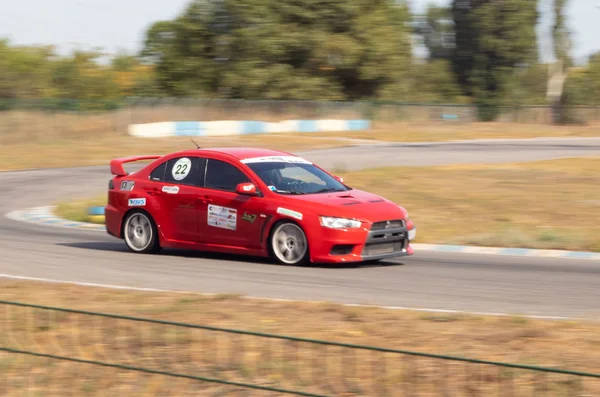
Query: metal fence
[70, 352]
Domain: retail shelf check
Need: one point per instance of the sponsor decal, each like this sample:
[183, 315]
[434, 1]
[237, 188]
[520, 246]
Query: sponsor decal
[171, 189]
[249, 217]
[247, 188]
[276, 159]
[272, 188]
[222, 217]
[137, 202]
[290, 213]
[181, 168]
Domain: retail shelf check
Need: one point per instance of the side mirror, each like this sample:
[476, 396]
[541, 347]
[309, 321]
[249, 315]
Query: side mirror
[247, 189]
[339, 179]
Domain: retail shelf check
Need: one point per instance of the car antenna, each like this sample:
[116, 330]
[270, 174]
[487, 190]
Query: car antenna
[197, 147]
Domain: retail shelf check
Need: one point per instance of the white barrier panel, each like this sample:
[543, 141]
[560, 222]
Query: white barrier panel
[332, 125]
[152, 130]
[220, 128]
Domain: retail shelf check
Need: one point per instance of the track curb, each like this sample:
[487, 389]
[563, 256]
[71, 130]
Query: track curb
[45, 216]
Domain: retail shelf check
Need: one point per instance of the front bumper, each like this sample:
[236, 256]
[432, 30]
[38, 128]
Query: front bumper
[366, 244]
[388, 242]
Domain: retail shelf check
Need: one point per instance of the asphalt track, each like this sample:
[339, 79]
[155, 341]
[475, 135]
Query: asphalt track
[429, 280]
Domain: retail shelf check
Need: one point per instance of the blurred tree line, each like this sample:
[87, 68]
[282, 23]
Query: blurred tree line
[480, 52]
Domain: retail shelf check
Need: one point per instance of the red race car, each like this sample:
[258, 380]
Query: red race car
[256, 202]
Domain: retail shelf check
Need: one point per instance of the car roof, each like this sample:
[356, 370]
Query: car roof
[239, 153]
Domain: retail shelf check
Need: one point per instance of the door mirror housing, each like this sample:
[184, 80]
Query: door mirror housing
[246, 189]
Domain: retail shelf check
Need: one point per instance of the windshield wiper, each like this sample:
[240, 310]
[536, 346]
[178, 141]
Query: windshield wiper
[288, 192]
[328, 189]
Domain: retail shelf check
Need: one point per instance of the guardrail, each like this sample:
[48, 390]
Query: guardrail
[97, 353]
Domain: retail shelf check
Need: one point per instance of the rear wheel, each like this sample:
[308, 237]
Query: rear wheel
[289, 244]
[140, 233]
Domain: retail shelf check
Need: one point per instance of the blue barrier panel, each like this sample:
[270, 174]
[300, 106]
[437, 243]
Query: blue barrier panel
[188, 128]
[254, 127]
[96, 210]
[354, 125]
[449, 117]
[307, 126]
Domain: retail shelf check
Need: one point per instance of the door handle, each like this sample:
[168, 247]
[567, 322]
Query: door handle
[205, 200]
[153, 191]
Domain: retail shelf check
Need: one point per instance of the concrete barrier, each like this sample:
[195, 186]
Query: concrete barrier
[235, 127]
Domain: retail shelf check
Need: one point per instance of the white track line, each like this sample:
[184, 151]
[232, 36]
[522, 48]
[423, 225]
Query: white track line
[417, 309]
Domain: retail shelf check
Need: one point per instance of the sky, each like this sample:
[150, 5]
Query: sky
[114, 25]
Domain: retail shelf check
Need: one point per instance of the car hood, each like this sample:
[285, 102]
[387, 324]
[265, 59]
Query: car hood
[353, 203]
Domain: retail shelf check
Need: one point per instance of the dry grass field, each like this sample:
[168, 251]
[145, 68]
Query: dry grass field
[326, 370]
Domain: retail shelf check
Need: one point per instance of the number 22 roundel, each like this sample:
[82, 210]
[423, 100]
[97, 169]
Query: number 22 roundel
[181, 168]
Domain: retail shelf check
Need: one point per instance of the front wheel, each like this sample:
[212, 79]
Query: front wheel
[289, 244]
[140, 233]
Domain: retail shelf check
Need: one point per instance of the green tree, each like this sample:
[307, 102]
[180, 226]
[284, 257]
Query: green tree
[493, 38]
[433, 81]
[436, 28]
[561, 42]
[561, 36]
[582, 85]
[80, 77]
[24, 70]
[296, 49]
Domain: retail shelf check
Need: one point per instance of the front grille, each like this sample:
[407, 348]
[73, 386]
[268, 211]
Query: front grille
[392, 224]
[383, 248]
[386, 238]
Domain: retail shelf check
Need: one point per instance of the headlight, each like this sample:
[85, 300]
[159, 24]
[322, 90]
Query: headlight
[412, 234]
[339, 223]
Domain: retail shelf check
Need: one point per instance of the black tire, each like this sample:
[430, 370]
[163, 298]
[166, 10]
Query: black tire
[295, 243]
[140, 233]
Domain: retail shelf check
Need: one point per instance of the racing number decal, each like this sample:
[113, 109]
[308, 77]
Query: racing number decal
[181, 168]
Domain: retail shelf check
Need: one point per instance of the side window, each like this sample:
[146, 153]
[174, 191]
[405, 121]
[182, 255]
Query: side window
[158, 174]
[223, 176]
[183, 170]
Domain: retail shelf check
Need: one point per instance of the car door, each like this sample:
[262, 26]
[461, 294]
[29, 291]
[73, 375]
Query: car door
[175, 187]
[229, 218]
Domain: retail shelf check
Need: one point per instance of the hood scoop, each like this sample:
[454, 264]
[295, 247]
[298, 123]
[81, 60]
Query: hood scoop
[349, 196]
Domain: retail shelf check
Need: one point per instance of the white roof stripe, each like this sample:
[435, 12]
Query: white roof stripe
[276, 159]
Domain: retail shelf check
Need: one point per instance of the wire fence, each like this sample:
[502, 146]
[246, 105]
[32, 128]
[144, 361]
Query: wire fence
[71, 352]
[56, 114]
[56, 120]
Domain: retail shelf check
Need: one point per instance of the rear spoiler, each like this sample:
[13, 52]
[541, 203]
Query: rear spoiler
[116, 165]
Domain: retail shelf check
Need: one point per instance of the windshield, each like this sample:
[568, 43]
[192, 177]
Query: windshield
[295, 178]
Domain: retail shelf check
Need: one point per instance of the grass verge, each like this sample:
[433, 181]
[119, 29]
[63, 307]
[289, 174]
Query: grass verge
[99, 149]
[550, 204]
[564, 344]
[78, 210]
[442, 132]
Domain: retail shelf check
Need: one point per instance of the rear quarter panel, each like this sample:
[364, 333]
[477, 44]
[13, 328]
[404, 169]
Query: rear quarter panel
[119, 204]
